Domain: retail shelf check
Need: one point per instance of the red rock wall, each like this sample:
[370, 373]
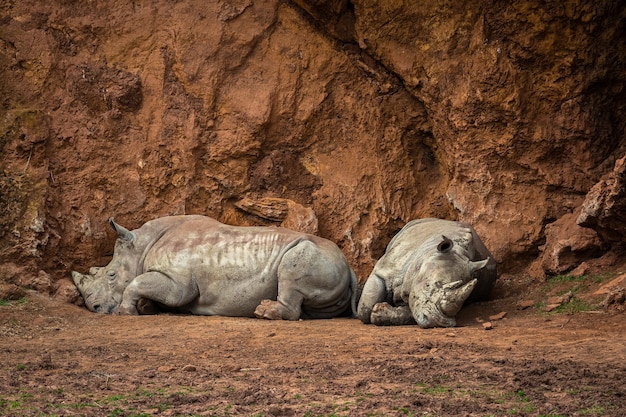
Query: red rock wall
[370, 113]
[524, 99]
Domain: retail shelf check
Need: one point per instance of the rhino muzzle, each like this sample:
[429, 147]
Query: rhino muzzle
[91, 289]
[454, 295]
[437, 305]
[426, 320]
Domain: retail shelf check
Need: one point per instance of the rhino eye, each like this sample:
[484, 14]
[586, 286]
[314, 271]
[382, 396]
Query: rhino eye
[111, 274]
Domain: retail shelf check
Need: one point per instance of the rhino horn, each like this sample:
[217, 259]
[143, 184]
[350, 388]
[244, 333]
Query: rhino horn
[477, 265]
[454, 295]
[121, 231]
[445, 245]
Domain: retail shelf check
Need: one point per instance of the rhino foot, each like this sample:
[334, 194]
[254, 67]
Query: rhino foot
[145, 306]
[269, 309]
[126, 311]
[384, 314]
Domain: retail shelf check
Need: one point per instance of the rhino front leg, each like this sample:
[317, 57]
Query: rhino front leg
[374, 292]
[384, 314]
[158, 287]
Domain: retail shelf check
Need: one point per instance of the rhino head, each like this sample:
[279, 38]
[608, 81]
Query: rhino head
[442, 283]
[102, 288]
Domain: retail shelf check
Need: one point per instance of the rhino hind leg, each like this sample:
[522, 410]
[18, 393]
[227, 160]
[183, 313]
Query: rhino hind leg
[384, 314]
[313, 282]
[274, 310]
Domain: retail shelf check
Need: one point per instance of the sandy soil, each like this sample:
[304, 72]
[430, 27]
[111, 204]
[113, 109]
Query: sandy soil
[60, 359]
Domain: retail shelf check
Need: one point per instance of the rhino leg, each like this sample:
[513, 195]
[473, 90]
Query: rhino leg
[374, 292]
[157, 287]
[272, 310]
[313, 282]
[383, 314]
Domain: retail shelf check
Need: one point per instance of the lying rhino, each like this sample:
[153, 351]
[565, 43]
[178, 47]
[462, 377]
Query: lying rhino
[429, 270]
[198, 265]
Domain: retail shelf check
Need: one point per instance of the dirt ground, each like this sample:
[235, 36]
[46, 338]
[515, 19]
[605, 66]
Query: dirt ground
[62, 360]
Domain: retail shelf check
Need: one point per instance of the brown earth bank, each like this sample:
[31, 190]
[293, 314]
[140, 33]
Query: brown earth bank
[61, 360]
[359, 115]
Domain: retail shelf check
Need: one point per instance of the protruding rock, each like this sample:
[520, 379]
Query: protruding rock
[567, 244]
[290, 214]
[605, 204]
[524, 304]
[615, 283]
[499, 316]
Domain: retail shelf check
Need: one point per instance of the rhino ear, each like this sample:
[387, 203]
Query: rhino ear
[123, 233]
[81, 280]
[445, 245]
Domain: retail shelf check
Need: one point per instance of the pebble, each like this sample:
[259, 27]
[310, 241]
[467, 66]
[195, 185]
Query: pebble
[561, 299]
[523, 305]
[498, 316]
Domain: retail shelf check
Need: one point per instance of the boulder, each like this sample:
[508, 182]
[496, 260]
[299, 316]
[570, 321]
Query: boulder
[605, 204]
[568, 245]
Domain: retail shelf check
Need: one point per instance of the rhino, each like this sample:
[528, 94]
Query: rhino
[430, 269]
[195, 264]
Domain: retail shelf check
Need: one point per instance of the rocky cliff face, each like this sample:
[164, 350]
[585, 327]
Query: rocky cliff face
[349, 118]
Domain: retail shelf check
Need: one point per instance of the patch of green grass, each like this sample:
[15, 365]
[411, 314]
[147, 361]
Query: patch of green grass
[524, 405]
[576, 305]
[109, 406]
[584, 279]
[520, 395]
[7, 303]
[146, 402]
[436, 390]
[595, 410]
[566, 282]
[557, 279]
[115, 398]
[10, 404]
[563, 284]
[405, 411]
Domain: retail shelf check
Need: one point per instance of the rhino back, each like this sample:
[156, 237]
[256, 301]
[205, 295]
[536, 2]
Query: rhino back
[233, 267]
[415, 242]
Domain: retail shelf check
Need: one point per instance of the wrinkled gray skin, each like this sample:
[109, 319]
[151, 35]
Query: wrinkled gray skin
[430, 269]
[198, 265]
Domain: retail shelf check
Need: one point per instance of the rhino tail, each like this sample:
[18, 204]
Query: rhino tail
[354, 287]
